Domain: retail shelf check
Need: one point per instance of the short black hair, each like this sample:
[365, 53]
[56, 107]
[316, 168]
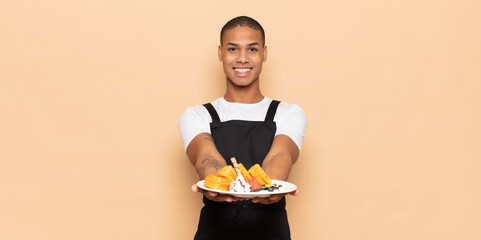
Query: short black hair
[243, 21]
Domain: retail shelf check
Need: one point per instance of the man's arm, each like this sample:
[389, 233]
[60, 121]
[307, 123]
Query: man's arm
[205, 157]
[282, 155]
[203, 154]
[278, 163]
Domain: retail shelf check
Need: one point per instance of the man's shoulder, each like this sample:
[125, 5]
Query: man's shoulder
[289, 105]
[194, 113]
[201, 108]
[289, 108]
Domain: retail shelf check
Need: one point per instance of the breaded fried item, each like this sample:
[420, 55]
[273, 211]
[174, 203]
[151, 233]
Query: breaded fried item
[227, 172]
[260, 175]
[216, 182]
[245, 174]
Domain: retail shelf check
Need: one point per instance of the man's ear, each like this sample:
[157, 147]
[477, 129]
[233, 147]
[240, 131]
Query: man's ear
[265, 53]
[219, 53]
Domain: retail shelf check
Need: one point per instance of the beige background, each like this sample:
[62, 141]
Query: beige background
[91, 92]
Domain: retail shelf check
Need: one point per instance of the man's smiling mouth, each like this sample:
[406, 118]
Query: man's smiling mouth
[242, 70]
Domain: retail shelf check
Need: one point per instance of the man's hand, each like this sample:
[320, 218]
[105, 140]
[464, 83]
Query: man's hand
[214, 196]
[273, 198]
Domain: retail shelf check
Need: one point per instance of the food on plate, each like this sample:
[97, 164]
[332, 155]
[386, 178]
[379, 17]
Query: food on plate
[239, 184]
[227, 172]
[255, 185]
[244, 172]
[260, 175]
[236, 178]
[216, 182]
[270, 188]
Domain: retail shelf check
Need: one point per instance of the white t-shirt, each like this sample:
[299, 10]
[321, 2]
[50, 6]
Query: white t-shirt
[290, 119]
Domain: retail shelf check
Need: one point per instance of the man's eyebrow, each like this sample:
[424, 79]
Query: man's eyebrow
[236, 44]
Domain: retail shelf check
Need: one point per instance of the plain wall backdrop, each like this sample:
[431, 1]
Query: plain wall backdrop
[91, 93]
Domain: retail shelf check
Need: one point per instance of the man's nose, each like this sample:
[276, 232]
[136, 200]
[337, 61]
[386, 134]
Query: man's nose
[242, 57]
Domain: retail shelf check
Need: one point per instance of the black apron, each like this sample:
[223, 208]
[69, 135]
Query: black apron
[249, 142]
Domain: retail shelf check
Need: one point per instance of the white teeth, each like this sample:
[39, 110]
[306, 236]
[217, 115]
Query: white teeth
[242, 70]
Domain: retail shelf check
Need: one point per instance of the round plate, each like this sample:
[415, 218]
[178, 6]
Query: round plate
[287, 187]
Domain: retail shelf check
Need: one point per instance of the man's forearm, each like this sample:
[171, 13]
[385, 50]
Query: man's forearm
[204, 155]
[282, 155]
[208, 165]
[278, 166]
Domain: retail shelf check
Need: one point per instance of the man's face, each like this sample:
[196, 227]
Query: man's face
[242, 54]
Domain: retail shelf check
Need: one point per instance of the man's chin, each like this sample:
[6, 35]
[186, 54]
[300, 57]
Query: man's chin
[242, 83]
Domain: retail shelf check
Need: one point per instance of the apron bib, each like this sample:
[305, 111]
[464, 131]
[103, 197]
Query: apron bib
[249, 142]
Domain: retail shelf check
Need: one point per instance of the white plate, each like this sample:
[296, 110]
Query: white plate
[287, 187]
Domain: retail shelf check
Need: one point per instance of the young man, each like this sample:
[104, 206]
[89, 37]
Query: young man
[246, 125]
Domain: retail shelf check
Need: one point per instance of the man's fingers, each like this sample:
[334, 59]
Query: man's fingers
[295, 193]
[195, 188]
[228, 199]
[212, 194]
[215, 196]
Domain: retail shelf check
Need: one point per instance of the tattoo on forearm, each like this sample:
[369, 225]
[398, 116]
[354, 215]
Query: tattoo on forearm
[206, 164]
[211, 163]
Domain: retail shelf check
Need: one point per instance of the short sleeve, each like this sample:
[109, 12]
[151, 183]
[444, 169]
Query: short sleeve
[192, 123]
[291, 121]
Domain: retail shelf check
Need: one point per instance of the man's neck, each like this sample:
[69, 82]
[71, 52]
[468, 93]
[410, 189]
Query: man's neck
[247, 94]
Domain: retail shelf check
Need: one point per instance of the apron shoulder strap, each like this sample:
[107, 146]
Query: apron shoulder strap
[212, 112]
[272, 111]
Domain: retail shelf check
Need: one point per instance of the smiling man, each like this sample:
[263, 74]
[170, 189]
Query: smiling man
[242, 59]
[249, 126]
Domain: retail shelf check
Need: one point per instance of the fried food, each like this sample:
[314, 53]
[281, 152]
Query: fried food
[260, 175]
[216, 182]
[252, 179]
[227, 172]
[245, 174]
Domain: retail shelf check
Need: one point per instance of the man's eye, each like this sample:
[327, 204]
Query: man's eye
[253, 49]
[231, 49]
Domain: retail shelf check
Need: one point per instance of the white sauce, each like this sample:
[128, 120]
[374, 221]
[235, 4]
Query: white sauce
[239, 185]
